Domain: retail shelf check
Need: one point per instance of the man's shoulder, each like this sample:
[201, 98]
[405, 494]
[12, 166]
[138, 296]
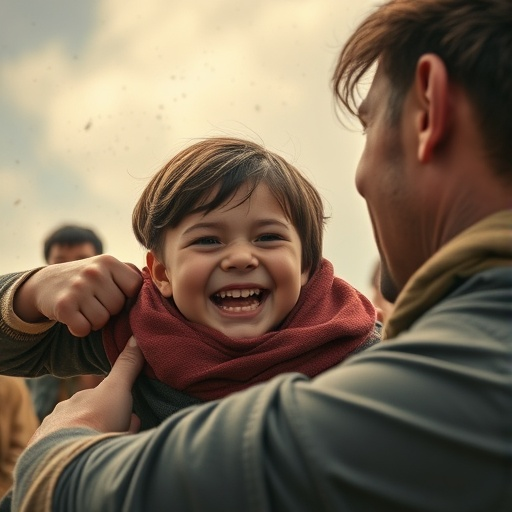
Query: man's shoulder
[471, 326]
[497, 279]
[485, 298]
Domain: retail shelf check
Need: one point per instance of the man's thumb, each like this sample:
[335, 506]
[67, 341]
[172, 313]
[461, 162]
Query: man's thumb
[127, 366]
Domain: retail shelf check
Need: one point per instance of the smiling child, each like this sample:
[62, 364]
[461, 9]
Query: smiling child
[234, 292]
[235, 289]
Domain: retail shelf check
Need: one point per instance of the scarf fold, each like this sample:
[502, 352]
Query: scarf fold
[485, 245]
[330, 320]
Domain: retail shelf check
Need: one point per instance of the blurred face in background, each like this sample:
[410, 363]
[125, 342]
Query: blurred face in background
[62, 253]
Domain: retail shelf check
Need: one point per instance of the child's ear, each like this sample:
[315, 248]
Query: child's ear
[304, 277]
[159, 274]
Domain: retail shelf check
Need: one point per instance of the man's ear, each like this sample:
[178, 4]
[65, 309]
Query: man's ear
[432, 97]
[159, 274]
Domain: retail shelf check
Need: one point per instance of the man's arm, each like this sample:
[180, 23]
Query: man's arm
[408, 425]
[37, 307]
[82, 294]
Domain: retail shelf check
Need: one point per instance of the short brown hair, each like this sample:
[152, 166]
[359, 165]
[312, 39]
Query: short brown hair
[182, 185]
[72, 235]
[472, 37]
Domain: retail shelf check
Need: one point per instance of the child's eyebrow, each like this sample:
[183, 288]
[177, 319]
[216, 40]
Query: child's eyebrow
[201, 225]
[272, 222]
[213, 225]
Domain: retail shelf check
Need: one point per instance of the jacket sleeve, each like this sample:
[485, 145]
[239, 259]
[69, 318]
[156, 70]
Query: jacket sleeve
[408, 425]
[31, 350]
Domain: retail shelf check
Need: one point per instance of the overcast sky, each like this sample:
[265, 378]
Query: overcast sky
[95, 96]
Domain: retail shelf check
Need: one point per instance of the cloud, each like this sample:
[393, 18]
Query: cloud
[150, 78]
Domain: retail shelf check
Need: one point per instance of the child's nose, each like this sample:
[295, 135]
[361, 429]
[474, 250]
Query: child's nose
[240, 257]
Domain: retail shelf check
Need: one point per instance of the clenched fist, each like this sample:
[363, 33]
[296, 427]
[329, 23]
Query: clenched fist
[82, 294]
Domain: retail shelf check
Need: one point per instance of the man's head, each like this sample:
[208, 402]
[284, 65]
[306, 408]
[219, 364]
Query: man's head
[437, 157]
[472, 38]
[70, 243]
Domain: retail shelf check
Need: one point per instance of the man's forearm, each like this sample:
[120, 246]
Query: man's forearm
[33, 349]
[40, 466]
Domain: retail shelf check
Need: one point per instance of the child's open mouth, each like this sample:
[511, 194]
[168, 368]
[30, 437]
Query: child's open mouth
[237, 300]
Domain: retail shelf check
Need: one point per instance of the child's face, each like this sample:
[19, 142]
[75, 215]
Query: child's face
[237, 270]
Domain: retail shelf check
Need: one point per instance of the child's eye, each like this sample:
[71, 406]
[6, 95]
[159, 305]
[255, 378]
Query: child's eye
[206, 240]
[269, 237]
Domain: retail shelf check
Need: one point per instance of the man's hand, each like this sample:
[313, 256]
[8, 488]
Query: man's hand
[107, 407]
[82, 294]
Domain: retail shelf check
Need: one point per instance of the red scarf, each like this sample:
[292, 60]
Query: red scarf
[330, 320]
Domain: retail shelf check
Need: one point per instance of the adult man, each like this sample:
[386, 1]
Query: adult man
[66, 243]
[420, 422]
